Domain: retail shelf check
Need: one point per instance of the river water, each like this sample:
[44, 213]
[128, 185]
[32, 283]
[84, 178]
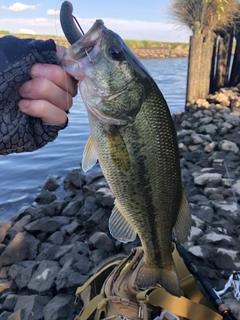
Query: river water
[22, 175]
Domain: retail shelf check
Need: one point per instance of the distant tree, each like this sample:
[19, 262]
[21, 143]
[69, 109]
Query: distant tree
[203, 17]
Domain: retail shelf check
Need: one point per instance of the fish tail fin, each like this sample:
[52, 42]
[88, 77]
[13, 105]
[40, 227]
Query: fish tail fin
[166, 277]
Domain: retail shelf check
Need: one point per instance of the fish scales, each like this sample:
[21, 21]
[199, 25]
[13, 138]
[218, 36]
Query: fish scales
[133, 136]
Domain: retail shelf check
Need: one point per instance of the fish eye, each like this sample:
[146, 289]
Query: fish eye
[115, 53]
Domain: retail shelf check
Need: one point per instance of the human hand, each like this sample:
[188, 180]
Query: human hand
[48, 95]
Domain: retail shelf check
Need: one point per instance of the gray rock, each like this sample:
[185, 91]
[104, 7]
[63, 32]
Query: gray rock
[98, 221]
[206, 177]
[205, 213]
[44, 278]
[48, 252]
[81, 247]
[226, 208]
[4, 227]
[71, 228]
[63, 250]
[56, 238]
[18, 315]
[83, 265]
[18, 226]
[72, 209]
[51, 184]
[59, 308]
[226, 145]
[216, 238]
[101, 241]
[236, 187]
[232, 303]
[186, 124]
[47, 225]
[208, 128]
[33, 245]
[195, 233]
[5, 315]
[10, 302]
[45, 197]
[32, 306]
[26, 274]
[16, 251]
[105, 197]
[74, 177]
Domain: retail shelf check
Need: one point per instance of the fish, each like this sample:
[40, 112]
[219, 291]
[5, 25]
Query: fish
[133, 137]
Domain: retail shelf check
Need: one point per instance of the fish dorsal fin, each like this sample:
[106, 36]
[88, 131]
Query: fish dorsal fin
[118, 150]
[183, 223]
[89, 155]
[119, 228]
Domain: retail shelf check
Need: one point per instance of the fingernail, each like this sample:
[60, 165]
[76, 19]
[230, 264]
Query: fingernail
[25, 88]
[23, 104]
[38, 70]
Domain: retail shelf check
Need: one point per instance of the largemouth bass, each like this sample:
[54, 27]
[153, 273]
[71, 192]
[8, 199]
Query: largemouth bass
[133, 136]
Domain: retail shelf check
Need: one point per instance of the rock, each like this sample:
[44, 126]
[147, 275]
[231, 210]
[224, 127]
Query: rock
[4, 227]
[51, 184]
[236, 187]
[32, 305]
[16, 251]
[56, 238]
[105, 197]
[208, 128]
[4, 285]
[204, 178]
[44, 277]
[226, 145]
[195, 233]
[47, 225]
[74, 177]
[18, 226]
[5, 315]
[72, 209]
[10, 302]
[210, 147]
[59, 308]
[101, 241]
[18, 315]
[45, 197]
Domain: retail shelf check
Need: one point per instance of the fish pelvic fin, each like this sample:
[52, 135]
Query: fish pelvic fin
[149, 276]
[119, 227]
[183, 224]
[89, 155]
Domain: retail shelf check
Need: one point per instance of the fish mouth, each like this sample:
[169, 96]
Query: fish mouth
[81, 47]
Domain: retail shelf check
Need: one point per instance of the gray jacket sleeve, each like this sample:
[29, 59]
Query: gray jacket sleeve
[18, 131]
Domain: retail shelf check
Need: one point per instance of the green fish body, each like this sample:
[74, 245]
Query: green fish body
[133, 136]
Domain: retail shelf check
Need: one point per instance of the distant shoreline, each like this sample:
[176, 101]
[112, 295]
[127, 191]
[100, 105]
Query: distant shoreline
[147, 51]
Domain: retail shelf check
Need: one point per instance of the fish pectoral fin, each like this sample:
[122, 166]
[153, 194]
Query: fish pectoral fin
[183, 224]
[118, 150]
[119, 227]
[89, 155]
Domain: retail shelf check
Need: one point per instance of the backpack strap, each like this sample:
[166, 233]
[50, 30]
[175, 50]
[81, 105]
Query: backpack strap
[108, 266]
[182, 306]
[187, 281]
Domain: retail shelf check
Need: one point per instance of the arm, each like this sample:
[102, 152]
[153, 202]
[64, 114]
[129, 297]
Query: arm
[45, 88]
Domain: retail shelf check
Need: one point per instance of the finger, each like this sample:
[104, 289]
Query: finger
[43, 89]
[44, 110]
[55, 74]
[60, 50]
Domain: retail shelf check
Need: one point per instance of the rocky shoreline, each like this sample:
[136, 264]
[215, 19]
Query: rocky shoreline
[49, 249]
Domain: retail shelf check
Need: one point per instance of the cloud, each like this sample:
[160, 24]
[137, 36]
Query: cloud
[138, 30]
[52, 12]
[18, 6]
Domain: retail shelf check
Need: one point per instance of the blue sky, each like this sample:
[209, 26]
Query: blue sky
[131, 19]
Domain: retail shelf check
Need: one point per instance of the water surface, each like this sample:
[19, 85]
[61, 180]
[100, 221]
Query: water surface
[22, 175]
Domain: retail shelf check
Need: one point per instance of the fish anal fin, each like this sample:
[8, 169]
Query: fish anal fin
[89, 155]
[119, 227]
[118, 150]
[183, 224]
[166, 277]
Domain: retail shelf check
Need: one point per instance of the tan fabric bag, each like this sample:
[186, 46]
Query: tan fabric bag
[120, 299]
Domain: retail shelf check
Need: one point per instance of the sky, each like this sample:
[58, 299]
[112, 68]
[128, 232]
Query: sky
[131, 19]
